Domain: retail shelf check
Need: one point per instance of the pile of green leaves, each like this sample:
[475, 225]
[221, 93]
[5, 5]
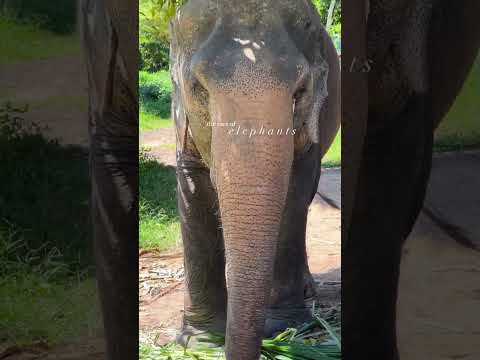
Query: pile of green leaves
[315, 341]
[58, 16]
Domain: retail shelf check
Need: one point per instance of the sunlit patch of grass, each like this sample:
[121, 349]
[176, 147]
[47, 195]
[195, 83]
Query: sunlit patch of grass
[24, 42]
[155, 100]
[151, 122]
[168, 146]
[460, 129]
[159, 227]
[333, 158]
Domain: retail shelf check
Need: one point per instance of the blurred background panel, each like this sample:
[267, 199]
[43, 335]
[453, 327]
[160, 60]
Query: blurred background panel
[48, 297]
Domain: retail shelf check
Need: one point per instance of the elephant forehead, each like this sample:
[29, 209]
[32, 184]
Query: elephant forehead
[197, 18]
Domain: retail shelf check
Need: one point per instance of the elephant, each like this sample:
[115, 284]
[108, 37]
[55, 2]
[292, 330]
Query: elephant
[111, 52]
[256, 104]
[418, 53]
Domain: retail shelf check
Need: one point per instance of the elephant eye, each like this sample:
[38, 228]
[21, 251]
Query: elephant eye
[199, 92]
[298, 96]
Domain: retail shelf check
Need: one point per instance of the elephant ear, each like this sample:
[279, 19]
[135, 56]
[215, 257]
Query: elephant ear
[453, 47]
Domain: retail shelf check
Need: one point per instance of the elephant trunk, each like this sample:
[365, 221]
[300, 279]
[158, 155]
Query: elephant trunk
[251, 174]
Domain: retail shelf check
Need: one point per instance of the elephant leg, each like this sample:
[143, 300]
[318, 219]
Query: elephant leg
[293, 281]
[204, 259]
[394, 175]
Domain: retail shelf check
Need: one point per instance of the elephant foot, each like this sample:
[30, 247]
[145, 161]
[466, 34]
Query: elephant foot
[278, 320]
[310, 290]
[191, 334]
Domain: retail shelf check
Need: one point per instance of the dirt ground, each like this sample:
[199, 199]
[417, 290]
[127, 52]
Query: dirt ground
[81, 349]
[56, 93]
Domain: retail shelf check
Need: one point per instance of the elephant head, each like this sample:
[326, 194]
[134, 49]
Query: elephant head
[251, 81]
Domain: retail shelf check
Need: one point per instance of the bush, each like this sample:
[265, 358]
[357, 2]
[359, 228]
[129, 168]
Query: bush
[44, 195]
[154, 56]
[155, 93]
[59, 16]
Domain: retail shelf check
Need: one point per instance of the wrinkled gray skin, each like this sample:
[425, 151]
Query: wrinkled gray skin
[421, 53]
[244, 200]
[111, 52]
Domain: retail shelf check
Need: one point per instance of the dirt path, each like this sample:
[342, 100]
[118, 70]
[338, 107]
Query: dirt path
[56, 92]
[161, 145]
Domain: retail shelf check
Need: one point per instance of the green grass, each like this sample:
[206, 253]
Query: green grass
[46, 290]
[35, 309]
[461, 127]
[159, 221]
[45, 190]
[152, 122]
[155, 100]
[24, 42]
[333, 157]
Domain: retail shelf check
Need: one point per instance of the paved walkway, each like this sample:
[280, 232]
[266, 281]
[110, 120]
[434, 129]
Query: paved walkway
[439, 296]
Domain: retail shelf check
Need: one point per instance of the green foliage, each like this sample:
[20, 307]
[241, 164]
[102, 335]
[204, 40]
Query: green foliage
[159, 221]
[155, 18]
[155, 93]
[333, 157]
[460, 128]
[44, 194]
[155, 100]
[45, 252]
[154, 56]
[58, 16]
[322, 7]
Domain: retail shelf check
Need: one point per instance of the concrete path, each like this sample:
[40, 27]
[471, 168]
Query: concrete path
[439, 294]
[453, 199]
